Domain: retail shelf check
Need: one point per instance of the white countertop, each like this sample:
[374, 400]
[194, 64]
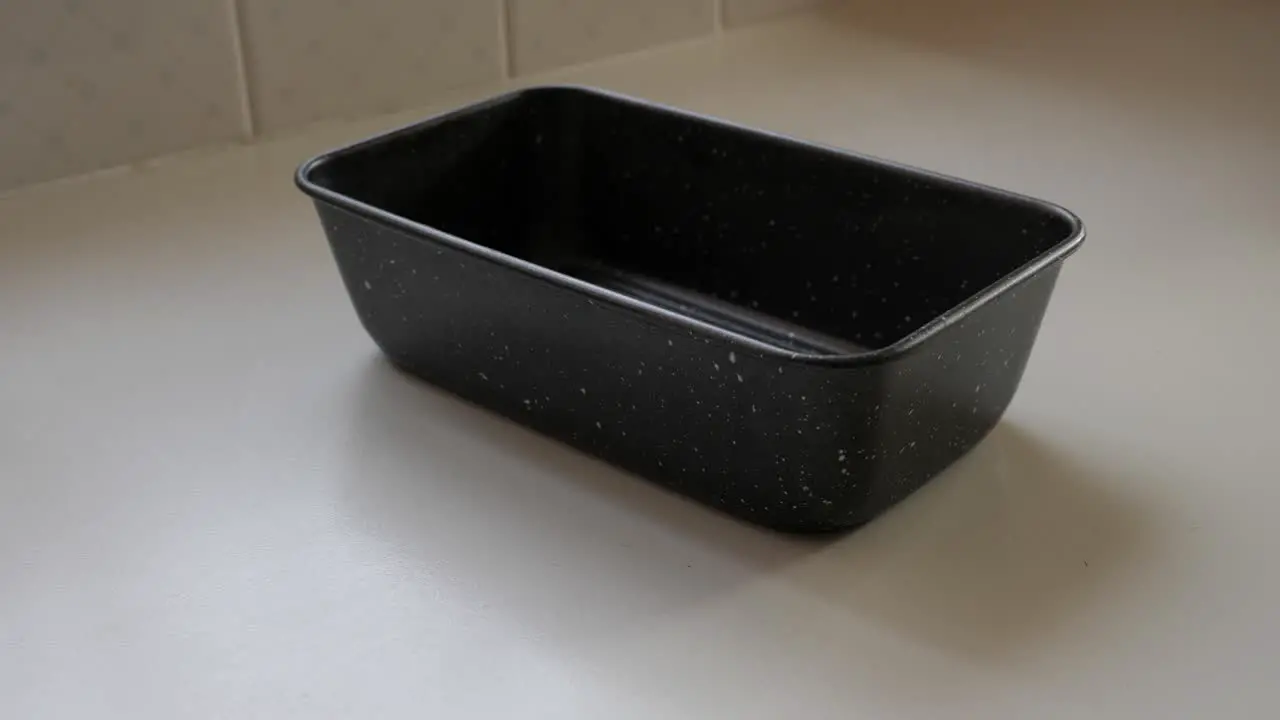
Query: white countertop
[216, 500]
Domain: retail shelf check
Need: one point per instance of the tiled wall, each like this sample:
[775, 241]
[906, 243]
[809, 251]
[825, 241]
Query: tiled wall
[314, 59]
[88, 84]
[549, 33]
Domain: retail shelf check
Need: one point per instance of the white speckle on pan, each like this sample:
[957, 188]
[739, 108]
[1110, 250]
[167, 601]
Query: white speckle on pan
[484, 377]
[598, 425]
[368, 285]
[716, 366]
[582, 390]
[669, 343]
[740, 377]
[733, 358]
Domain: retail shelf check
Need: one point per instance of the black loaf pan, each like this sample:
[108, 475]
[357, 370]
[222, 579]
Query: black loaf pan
[796, 335]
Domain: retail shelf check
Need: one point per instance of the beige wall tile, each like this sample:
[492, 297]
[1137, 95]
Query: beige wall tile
[550, 33]
[86, 85]
[739, 12]
[310, 60]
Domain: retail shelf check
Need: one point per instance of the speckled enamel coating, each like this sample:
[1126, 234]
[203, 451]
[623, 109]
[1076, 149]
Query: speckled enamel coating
[798, 336]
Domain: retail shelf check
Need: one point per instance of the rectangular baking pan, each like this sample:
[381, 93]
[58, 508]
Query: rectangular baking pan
[797, 335]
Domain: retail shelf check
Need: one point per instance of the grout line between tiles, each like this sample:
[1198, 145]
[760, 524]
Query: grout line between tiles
[505, 39]
[717, 7]
[242, 68]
